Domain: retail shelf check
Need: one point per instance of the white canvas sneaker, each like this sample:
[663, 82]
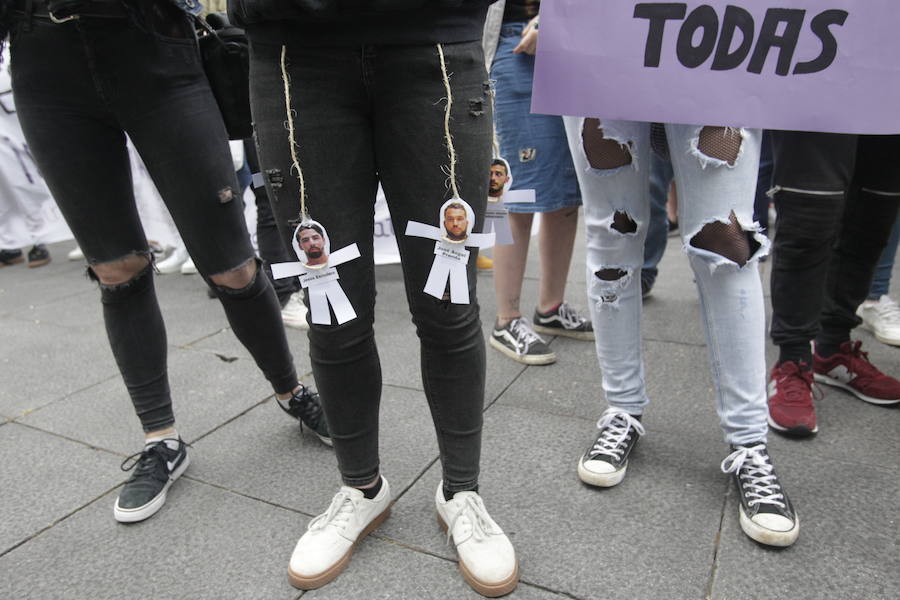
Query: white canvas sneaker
[487, 559]
[326, 547]
[881, 317]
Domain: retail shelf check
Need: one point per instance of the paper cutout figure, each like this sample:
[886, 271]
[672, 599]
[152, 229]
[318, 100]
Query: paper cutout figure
[451, 257]
[318, 273]
[499, 195]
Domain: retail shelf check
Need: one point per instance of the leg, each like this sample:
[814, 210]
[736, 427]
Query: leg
[556, 240]
[332, 132]
[451, 340]
[657, 230]
[509, 268]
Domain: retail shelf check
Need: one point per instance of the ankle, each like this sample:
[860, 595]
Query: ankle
[371, 490]
[448, 495]
[548, 311]
[160, 434]
[288, 395]
[503, 321]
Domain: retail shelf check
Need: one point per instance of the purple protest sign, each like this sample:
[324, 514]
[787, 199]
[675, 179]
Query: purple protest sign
[812, 65]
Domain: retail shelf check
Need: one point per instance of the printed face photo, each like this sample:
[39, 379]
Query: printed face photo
[500, 178]
[311, 244]
[457, 218]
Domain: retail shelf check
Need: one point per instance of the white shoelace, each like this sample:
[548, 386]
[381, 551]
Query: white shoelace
[758, 474]
[338, 513]
[476, 514]
[614, 426]
[568, 317]
[525, 335]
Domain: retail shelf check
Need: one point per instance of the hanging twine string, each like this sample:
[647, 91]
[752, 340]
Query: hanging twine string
[451, 150]
[295, 162]
[496, 140]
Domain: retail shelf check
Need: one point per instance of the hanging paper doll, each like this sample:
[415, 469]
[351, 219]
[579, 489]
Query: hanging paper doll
[499, 195]
[317, 271]
[451, 257]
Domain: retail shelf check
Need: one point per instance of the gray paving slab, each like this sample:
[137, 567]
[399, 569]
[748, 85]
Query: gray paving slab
[46, 477]
[563, 530]
[226, 344]
[849, 536]
[21, 287]
[296, 470]
[205, 543]
[386, 571]
[47, 362]
[206, 392]
[188, 312]
[678, 383]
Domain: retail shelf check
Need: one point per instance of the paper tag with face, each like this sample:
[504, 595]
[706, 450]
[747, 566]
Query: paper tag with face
[451, 257]
[318, 273]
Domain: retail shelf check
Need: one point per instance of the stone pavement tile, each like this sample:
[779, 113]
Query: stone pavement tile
[79, 311]
[385, 571]
[264, 455]
[679, 385]
[205, 543]
[849, 532]
[571, 537]
[225, 343]
[21, 287]
[45, 477]
[206, 392]
[188, 312]
[46, 362]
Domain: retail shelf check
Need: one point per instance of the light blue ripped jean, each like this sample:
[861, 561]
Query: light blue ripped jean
[731, 296]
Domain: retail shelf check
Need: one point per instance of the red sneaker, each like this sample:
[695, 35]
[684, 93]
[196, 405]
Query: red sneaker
[791, 410]
[851, 370]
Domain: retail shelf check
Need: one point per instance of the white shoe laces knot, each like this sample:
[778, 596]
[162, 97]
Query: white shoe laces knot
[338, 513]
[473, 513]
[569, 318]
[614, 426]
[525, 335]
[753, 468]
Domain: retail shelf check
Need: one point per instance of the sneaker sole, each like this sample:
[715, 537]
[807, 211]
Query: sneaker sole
[12, 261]
[769, 537]
[303, 582]
[881, 338]
[601, 479]
[798, 431]
[133, 515]
[38, 263]
[575, 335]
[540, 359]
[840, 384]
[489, 590]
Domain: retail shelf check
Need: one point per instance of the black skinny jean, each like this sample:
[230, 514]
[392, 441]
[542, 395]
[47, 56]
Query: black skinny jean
[80, 87]
[365, 114]
[836, 197]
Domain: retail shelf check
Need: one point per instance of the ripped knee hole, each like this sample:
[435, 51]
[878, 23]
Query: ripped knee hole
[602, 152]
[721, 143]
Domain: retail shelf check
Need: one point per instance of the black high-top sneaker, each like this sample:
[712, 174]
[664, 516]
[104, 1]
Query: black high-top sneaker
[304, 405]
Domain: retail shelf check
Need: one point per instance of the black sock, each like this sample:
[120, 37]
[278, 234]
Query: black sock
[797, 353]
[371, 492]
[448, 495]
[826, 349]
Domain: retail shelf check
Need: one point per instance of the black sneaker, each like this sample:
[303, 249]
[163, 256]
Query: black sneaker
[518, 341]
[10, 257]
[305, 406]
[156, 468]
[564, 321]
[38, 256]
[605, 461]
[766, 513]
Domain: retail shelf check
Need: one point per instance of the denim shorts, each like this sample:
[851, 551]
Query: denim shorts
[534, 145]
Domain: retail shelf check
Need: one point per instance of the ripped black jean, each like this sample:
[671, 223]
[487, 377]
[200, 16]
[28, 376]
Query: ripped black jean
[79, 88]
[365, 114]
[836, 197]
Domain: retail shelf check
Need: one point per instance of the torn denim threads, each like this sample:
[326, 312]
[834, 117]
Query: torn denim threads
[713, 187]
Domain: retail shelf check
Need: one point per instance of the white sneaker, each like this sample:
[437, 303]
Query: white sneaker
[326, 547]
[173, 263]
[188, 267]
[487, 559]
[881, 317]
[294, 312]
[75, 253]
